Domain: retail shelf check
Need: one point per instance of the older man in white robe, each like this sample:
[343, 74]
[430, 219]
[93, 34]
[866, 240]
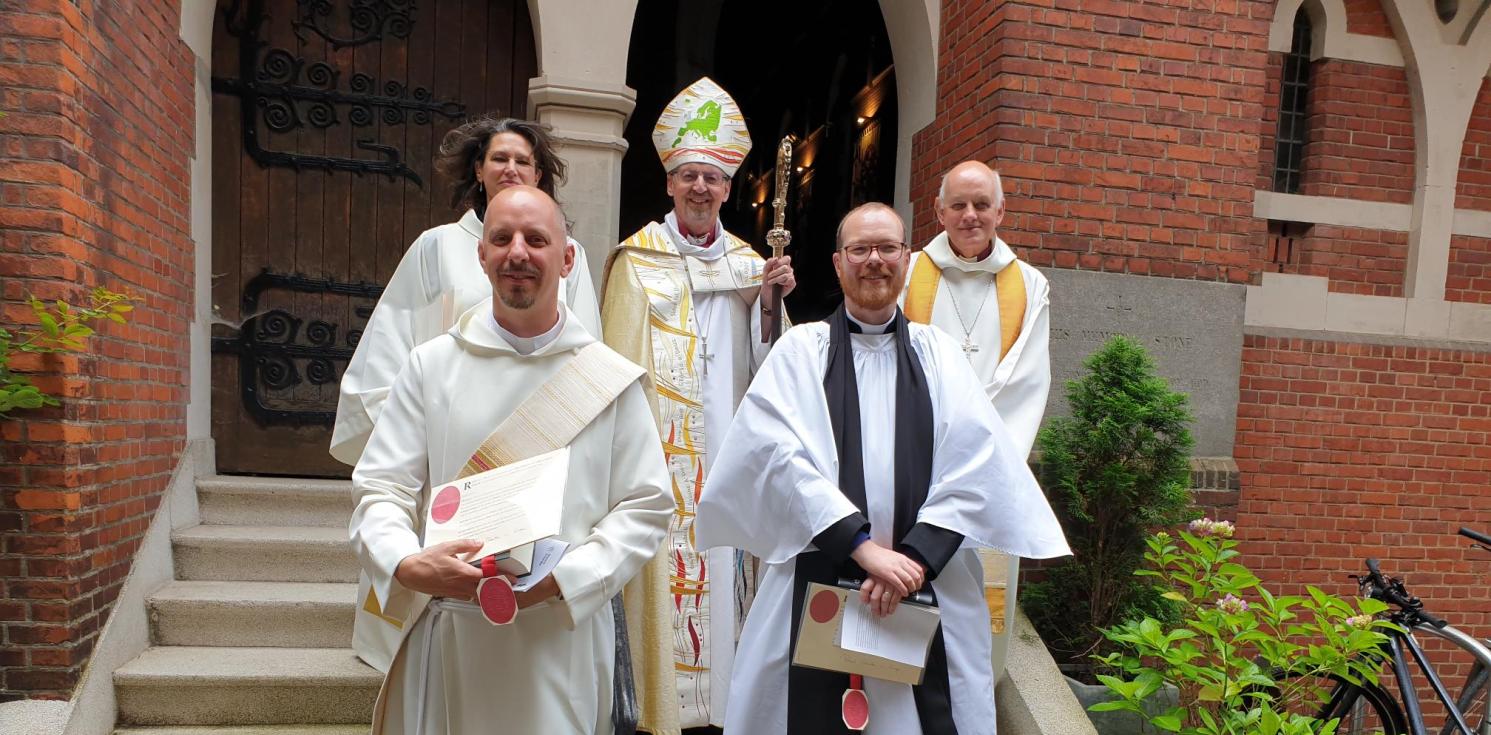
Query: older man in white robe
[865, 449]
[968, 282]
[517, 376]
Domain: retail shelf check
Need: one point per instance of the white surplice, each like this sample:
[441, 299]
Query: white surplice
[774, 487]
[442, 260]
[1018, 384]
[551, 670]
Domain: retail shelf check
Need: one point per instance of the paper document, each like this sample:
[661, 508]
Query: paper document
[546, 555]
[902, 636]
[504, 508]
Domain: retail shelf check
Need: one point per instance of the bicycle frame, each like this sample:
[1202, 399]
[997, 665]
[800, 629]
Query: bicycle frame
[1411, 707]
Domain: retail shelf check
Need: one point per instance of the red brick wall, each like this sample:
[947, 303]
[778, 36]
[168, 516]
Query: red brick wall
[1355, 450]
[1368, 18]
[1473, 189]
[94, 176]
[1356, 260]
[1360, 133]
[1360, 146]
[1126, 131]
[1268, 125]
[1469, 277]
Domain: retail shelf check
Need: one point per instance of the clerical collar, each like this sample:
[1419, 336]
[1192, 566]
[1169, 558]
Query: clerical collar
[527, 345]
[988, 251]
[705, 247]
[940, 250]
[858, 327]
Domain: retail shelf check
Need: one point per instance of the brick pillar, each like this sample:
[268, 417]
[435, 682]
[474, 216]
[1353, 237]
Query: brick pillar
[94, 173]
[1126, 131]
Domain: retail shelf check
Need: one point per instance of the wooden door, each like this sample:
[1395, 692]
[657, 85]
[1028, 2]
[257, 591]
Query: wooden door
[326, 118]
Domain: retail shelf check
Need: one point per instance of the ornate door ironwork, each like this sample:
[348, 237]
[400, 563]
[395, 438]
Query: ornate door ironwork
[279, 351]
[290, 92]
[309, 98]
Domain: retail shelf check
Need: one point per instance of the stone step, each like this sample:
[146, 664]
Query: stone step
[264, 553]
[361, 729]
[274, 501]
[278, 614]
[196, 685]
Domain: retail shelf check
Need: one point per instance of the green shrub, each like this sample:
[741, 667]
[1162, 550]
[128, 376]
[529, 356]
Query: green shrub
[1115, 469]
[62, 327]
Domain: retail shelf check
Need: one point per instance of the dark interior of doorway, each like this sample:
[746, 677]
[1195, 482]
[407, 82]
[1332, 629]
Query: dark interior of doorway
[820, 71]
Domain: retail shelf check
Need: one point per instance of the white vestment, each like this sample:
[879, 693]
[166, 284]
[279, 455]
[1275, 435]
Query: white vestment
[966, 306]
[551, 670]
[442, 263]
[1018, 384]
[774, 488]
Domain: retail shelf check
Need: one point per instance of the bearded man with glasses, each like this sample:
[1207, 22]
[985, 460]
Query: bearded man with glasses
[864, 451]
[682, 299]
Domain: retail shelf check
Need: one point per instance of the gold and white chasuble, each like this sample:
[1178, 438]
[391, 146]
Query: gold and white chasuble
[998, 310]
[690, 316]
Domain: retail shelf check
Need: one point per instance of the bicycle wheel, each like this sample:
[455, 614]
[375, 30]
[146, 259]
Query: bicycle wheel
[1362, 710]
[1473, 703]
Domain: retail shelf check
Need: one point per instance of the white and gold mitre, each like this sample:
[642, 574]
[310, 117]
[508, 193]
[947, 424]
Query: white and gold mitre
[702, 125]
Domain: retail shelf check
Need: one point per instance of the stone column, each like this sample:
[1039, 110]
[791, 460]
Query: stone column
[588, 120]
[581, 91]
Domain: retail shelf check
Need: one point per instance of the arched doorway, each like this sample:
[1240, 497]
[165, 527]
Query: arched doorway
[327, 116]
[833, 88]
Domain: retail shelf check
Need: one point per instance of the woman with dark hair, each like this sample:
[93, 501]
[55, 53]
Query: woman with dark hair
[440, 277]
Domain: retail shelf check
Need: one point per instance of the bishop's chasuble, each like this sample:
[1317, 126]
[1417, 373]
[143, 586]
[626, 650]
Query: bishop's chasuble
[998, 310]
[690, 316]
[550, 670]
[929, 470]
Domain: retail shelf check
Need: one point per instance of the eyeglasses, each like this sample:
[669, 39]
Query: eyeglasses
[710, 178]
[890, 252]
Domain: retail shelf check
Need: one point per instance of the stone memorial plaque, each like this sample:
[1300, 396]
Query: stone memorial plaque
[1192, 329]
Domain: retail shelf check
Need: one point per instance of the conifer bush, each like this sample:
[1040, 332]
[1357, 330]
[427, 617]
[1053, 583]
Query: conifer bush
[1115, 470]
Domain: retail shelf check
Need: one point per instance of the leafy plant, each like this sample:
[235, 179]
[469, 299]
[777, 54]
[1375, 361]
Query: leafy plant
[1228, 654]
[1114, 470]
[62, 327]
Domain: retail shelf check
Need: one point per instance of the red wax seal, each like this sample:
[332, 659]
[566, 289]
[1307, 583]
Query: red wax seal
[824, 607]
[856, 709]
[445, 505]
[498, 602]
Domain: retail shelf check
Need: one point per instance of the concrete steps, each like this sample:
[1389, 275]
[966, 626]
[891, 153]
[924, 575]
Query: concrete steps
[254, 635]
[274, 501]
[263, 614]
[264, 554]
[189, 685]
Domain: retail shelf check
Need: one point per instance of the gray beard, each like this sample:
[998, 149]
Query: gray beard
[521, 300]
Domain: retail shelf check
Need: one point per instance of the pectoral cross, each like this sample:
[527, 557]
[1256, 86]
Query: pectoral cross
[704, 354]
[969, 347]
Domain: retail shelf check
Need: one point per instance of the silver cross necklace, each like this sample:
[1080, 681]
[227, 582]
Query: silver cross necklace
[968, 346]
